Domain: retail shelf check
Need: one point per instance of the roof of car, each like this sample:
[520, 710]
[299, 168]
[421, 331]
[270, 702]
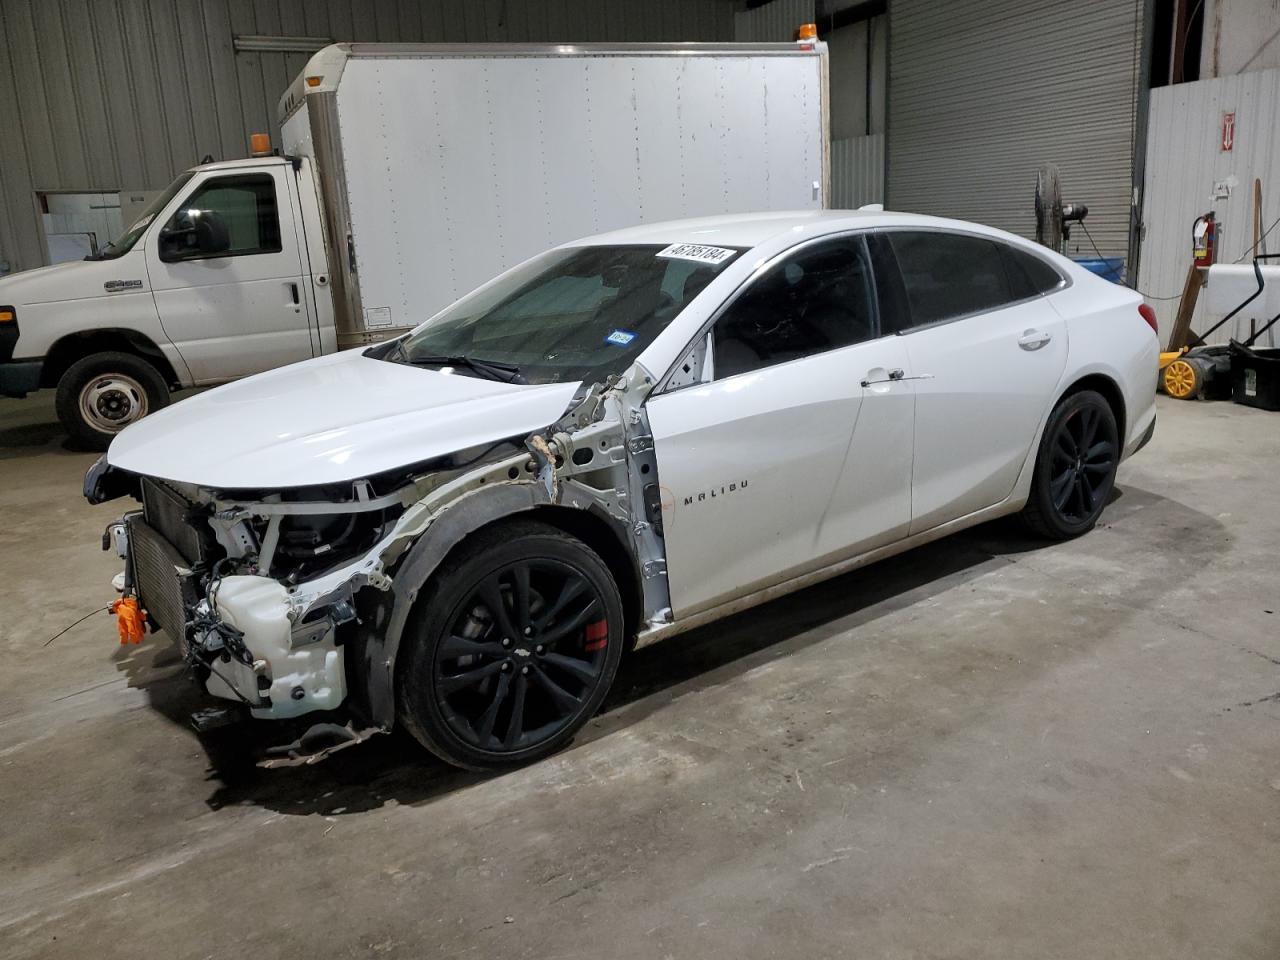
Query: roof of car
[752, 229]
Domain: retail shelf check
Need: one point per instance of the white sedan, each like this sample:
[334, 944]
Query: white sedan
[462, 530]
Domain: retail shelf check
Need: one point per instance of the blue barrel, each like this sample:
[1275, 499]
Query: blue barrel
[1109, 268]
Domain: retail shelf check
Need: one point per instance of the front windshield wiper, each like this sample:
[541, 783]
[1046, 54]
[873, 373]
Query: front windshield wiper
[489, 369]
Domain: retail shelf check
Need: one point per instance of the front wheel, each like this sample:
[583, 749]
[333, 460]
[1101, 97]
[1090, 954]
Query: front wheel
[101, 394]
[511, 649]
[1075, 467]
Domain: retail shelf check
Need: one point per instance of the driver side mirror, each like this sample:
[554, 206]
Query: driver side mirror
[199, 233]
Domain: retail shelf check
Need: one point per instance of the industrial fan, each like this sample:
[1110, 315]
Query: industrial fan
[1053, 215]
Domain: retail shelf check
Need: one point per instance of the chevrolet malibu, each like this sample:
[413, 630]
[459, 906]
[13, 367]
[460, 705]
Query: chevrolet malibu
[462, 530]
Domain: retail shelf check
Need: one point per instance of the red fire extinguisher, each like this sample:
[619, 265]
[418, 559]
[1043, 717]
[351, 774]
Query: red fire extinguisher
[1204, 240]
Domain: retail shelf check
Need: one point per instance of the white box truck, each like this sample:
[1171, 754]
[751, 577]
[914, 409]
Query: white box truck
[409, 175]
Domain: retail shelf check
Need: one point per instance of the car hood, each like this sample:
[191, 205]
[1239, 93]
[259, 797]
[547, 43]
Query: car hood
[328, 420]
[73, 280]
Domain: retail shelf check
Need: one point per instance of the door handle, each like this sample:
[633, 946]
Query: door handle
[897, 373]
[293, 289]
[1033, 339]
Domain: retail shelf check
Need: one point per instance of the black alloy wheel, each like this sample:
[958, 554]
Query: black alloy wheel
[1075, 468]
[516, 647]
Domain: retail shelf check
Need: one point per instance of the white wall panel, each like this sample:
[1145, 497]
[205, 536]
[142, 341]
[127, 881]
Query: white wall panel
[1185, 160]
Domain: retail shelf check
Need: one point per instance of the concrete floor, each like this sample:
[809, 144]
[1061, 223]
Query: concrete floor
[986, 748]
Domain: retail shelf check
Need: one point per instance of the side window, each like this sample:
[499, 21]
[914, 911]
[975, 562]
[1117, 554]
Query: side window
[816, 300]
[949, 274]
[1028, 272]
[224, 217]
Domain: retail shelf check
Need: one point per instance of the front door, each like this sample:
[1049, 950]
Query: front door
[762, 470]
[228, 276]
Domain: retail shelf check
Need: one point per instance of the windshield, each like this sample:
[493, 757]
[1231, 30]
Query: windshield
[124, 243]
[579, 313]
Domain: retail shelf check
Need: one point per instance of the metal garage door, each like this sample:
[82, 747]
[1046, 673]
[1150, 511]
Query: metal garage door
[982, 91]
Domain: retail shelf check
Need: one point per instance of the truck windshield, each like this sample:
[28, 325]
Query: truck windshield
[124, 243]
[579, 313]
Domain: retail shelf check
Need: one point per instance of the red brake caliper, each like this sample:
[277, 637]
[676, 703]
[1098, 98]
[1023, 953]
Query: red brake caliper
[596, 636]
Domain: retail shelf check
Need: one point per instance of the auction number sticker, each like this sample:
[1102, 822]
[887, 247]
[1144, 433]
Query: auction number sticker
[696, 252]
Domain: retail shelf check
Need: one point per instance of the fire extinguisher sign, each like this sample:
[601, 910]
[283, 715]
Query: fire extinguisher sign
[1228, 131]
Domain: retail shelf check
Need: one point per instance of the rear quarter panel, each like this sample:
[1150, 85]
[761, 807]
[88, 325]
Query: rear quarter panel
[1109, 337]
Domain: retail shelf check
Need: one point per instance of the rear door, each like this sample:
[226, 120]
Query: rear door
[761, 474]
[988, 350]
[243, 308]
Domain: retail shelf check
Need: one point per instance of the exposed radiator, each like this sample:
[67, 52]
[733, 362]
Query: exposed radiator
[166, 512]
[163, 579]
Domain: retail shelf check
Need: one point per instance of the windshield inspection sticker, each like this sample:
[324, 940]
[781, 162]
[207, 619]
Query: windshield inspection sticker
[620, 338]
[696, 252]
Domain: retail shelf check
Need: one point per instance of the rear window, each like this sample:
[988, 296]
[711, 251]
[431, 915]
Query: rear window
[949, 274]
[1029, 273]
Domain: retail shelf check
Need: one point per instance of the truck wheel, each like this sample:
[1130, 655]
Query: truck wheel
[1075, 467]
[511, 647]
[103, 393]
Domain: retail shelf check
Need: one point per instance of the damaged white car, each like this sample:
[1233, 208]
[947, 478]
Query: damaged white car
[463, 529]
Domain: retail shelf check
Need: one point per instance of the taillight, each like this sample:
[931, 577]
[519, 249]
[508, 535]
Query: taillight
[1149, 315]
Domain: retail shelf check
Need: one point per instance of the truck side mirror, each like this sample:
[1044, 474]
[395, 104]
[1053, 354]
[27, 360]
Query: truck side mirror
[200, 233]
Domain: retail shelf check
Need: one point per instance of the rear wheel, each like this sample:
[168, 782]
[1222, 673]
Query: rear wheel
[1075, 467]
[511, 649]
[103, 393]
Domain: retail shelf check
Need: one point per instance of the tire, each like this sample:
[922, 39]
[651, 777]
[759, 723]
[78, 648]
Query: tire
[101, 394]
[461, 679]
[1071, 485]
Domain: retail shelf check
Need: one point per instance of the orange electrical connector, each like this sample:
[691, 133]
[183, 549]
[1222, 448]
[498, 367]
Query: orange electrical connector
[131, 619]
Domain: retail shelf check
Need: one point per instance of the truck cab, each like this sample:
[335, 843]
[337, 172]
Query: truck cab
[223, 275]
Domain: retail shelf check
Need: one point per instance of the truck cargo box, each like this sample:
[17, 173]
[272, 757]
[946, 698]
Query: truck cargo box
[439, 166]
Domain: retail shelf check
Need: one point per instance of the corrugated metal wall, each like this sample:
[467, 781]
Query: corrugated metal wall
[1185, 160]
[107, 95]
[982, 91]
[857, 171]
[774, 22]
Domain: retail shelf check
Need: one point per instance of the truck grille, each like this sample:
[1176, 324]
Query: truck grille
[163, 579]
[166, 512]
